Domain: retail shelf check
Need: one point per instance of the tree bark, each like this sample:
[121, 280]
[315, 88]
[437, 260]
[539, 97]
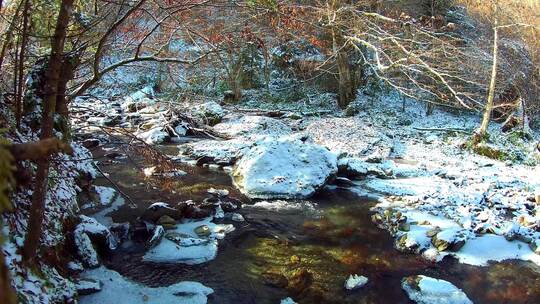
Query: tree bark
[482, 130]
[52, 76]
[24, 43]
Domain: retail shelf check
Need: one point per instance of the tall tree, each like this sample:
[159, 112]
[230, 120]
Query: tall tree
[54, 67]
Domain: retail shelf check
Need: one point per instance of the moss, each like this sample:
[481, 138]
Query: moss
[491, 152]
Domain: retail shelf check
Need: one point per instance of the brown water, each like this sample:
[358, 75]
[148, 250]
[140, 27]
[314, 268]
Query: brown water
[336, 238]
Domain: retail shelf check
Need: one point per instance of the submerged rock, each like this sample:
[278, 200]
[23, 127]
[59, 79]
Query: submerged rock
[300, 280]
[426, 290]
[284, 168]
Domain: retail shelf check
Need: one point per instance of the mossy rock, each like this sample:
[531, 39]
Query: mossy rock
[490, 151]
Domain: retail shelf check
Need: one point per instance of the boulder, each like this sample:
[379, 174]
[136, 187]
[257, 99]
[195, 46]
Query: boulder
[211, 112]
[89, 230]
[284, 168]
[425, 290]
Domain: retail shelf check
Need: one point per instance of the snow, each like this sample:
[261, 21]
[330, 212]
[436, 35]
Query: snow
[204, 250]
[91, 227]
[221, 152]
[433, 291]
[153, 136]
[287, 301]
[355, 281]
[102, 216]
[119, 290]
[106, 195]
[250, 125]
[283, 206]
[283, 168]
[479, 251]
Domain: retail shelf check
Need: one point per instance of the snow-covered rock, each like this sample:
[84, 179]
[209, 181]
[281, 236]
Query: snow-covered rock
[215, 151]
[156, 135]
[355, 281]
[210, 111]
[250, 125]
[189, 248]
[425, 290]
[284, 168]
[90, 228]
[119, 290]
[106, 195]
[88, 286]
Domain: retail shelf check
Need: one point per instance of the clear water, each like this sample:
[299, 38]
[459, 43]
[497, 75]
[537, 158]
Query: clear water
[330, 241]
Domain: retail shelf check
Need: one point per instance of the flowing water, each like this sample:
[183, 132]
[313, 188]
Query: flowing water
[305, 252]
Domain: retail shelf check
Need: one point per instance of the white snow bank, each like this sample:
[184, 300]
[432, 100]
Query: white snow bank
[492, 247]
[119, 290]
[426, 290]
[203, 250]
[283, 206]
[283, 168]
[249, 125]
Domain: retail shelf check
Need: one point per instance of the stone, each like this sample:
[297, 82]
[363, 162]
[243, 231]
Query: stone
[449, 239]
[343, 182]
[87, 286]
[284, 168]
[87, 230]
[425, 290]
[184, 239]
[159, 209]
[355, 281]
[237, 217]
[157, 236]
[91, 143]
[202, 230]
[167, 222]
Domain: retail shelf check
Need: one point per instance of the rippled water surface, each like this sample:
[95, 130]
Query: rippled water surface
[306, 253]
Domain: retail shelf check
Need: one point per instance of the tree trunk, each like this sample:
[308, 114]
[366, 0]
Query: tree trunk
[24, 43]
[482, 130]
[9, 34]
[7, 296]
[52, 76]
[346, 90]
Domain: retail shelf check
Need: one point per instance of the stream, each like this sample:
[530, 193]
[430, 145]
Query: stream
[267, 257]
